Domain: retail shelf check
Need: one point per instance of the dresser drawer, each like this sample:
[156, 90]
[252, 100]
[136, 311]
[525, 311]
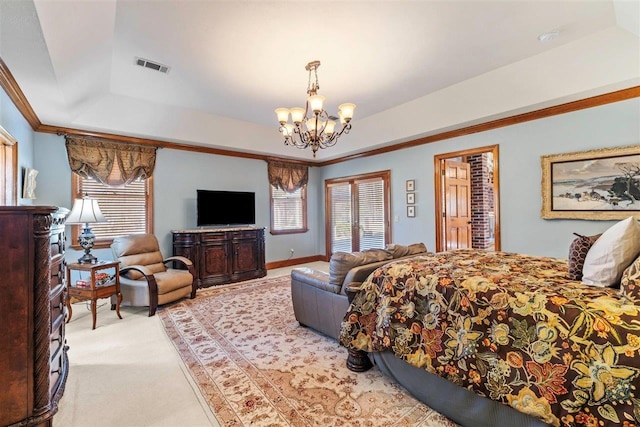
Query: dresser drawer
[57, 302]
[57, 336]
[213, 237]
[57, 271]
[57, 369]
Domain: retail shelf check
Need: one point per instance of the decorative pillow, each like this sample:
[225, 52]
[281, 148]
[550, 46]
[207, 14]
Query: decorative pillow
[630, 283]
[417, 248]
[399, 251]
[578, 252]
[612, 253]
[342, 262]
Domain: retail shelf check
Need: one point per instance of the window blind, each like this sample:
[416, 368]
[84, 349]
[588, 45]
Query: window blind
[358, 212]
[371, 214]
[287, 209]
[125, 207]
[341, 218]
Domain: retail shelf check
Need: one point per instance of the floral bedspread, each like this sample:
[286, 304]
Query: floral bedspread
[509, 327]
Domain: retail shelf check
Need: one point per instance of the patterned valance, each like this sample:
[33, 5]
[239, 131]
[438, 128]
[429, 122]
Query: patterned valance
[287, 176]
[111, 163]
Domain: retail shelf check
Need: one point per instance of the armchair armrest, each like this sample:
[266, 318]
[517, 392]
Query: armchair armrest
[139, 268]
[151, 284]
[184, 260]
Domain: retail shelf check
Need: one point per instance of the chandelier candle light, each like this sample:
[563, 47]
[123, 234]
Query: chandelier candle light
[319, 129]
[86, 211]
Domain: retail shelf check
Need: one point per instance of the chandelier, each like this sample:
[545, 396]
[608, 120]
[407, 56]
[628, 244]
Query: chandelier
[318, 130]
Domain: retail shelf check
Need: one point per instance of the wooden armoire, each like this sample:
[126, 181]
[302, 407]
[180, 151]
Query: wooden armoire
[33, 351]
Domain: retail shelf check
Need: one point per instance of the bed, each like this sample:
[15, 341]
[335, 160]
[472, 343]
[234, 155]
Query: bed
[495, 338]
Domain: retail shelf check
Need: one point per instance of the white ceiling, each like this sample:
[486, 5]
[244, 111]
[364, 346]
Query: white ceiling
[233, 62]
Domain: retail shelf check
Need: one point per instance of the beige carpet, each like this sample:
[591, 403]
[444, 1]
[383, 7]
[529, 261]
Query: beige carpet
[126, 373]
[256, 366]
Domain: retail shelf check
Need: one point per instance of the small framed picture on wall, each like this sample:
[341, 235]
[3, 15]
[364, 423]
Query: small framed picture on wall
[411, 211]
[411, 198]
[411, 185]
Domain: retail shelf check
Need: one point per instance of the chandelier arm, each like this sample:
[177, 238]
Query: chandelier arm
[303, 139]
[300, 135]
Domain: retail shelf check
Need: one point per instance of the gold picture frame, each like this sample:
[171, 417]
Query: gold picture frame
[601, 184]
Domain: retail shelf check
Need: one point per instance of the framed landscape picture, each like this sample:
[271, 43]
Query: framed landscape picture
[599, 184]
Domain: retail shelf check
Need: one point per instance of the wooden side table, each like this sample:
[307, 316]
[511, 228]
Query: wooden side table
[95, 288]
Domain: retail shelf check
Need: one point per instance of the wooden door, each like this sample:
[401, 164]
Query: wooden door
[457, 214]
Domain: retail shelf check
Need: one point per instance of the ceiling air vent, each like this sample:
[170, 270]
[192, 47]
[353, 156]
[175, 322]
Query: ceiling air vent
[152, 65]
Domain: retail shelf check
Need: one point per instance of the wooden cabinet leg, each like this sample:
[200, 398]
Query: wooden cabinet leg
[94, 309]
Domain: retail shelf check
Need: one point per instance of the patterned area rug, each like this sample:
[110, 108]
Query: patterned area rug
[256, 366]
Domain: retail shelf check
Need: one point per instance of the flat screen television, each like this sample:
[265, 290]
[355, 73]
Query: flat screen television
[225, 208]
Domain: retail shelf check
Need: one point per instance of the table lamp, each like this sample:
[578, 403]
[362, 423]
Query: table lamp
[86, 211]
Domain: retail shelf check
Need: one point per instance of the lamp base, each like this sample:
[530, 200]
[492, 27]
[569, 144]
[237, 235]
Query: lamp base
[87, 258]
[86, 240]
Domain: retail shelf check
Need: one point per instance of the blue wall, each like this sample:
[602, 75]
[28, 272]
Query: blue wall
[520, 148]
[179, 173]
[14, 123]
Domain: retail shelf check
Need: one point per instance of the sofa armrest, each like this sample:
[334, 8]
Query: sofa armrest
[316, 278]
[351, 289]
[360, 273]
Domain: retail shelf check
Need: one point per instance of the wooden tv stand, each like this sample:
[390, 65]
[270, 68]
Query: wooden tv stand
[222, 255]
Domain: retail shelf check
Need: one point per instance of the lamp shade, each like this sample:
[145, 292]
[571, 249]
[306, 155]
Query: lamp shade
[85, 211]
[297, 115]
[346, 111]
[316, 102]
[283, 115]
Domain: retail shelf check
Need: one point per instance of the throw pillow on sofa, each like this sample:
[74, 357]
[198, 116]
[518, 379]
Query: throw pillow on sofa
[342, 262]
[578, 252]
[612, 253]
[399, 251]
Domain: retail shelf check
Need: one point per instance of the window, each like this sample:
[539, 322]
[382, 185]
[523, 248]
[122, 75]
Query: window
[358, 212]
[9, 168]
[129, 208]
[288, 211]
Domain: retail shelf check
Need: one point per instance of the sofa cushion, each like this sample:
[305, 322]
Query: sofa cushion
[399, 251]
[342, 262]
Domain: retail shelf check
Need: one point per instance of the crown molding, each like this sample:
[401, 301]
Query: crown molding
[9, 84]
[60, 130]
[594, 101]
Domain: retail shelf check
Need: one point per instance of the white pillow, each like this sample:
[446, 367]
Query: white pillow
[612, 253]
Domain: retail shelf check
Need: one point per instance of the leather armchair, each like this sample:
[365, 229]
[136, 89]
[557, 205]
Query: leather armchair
[145, 279]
